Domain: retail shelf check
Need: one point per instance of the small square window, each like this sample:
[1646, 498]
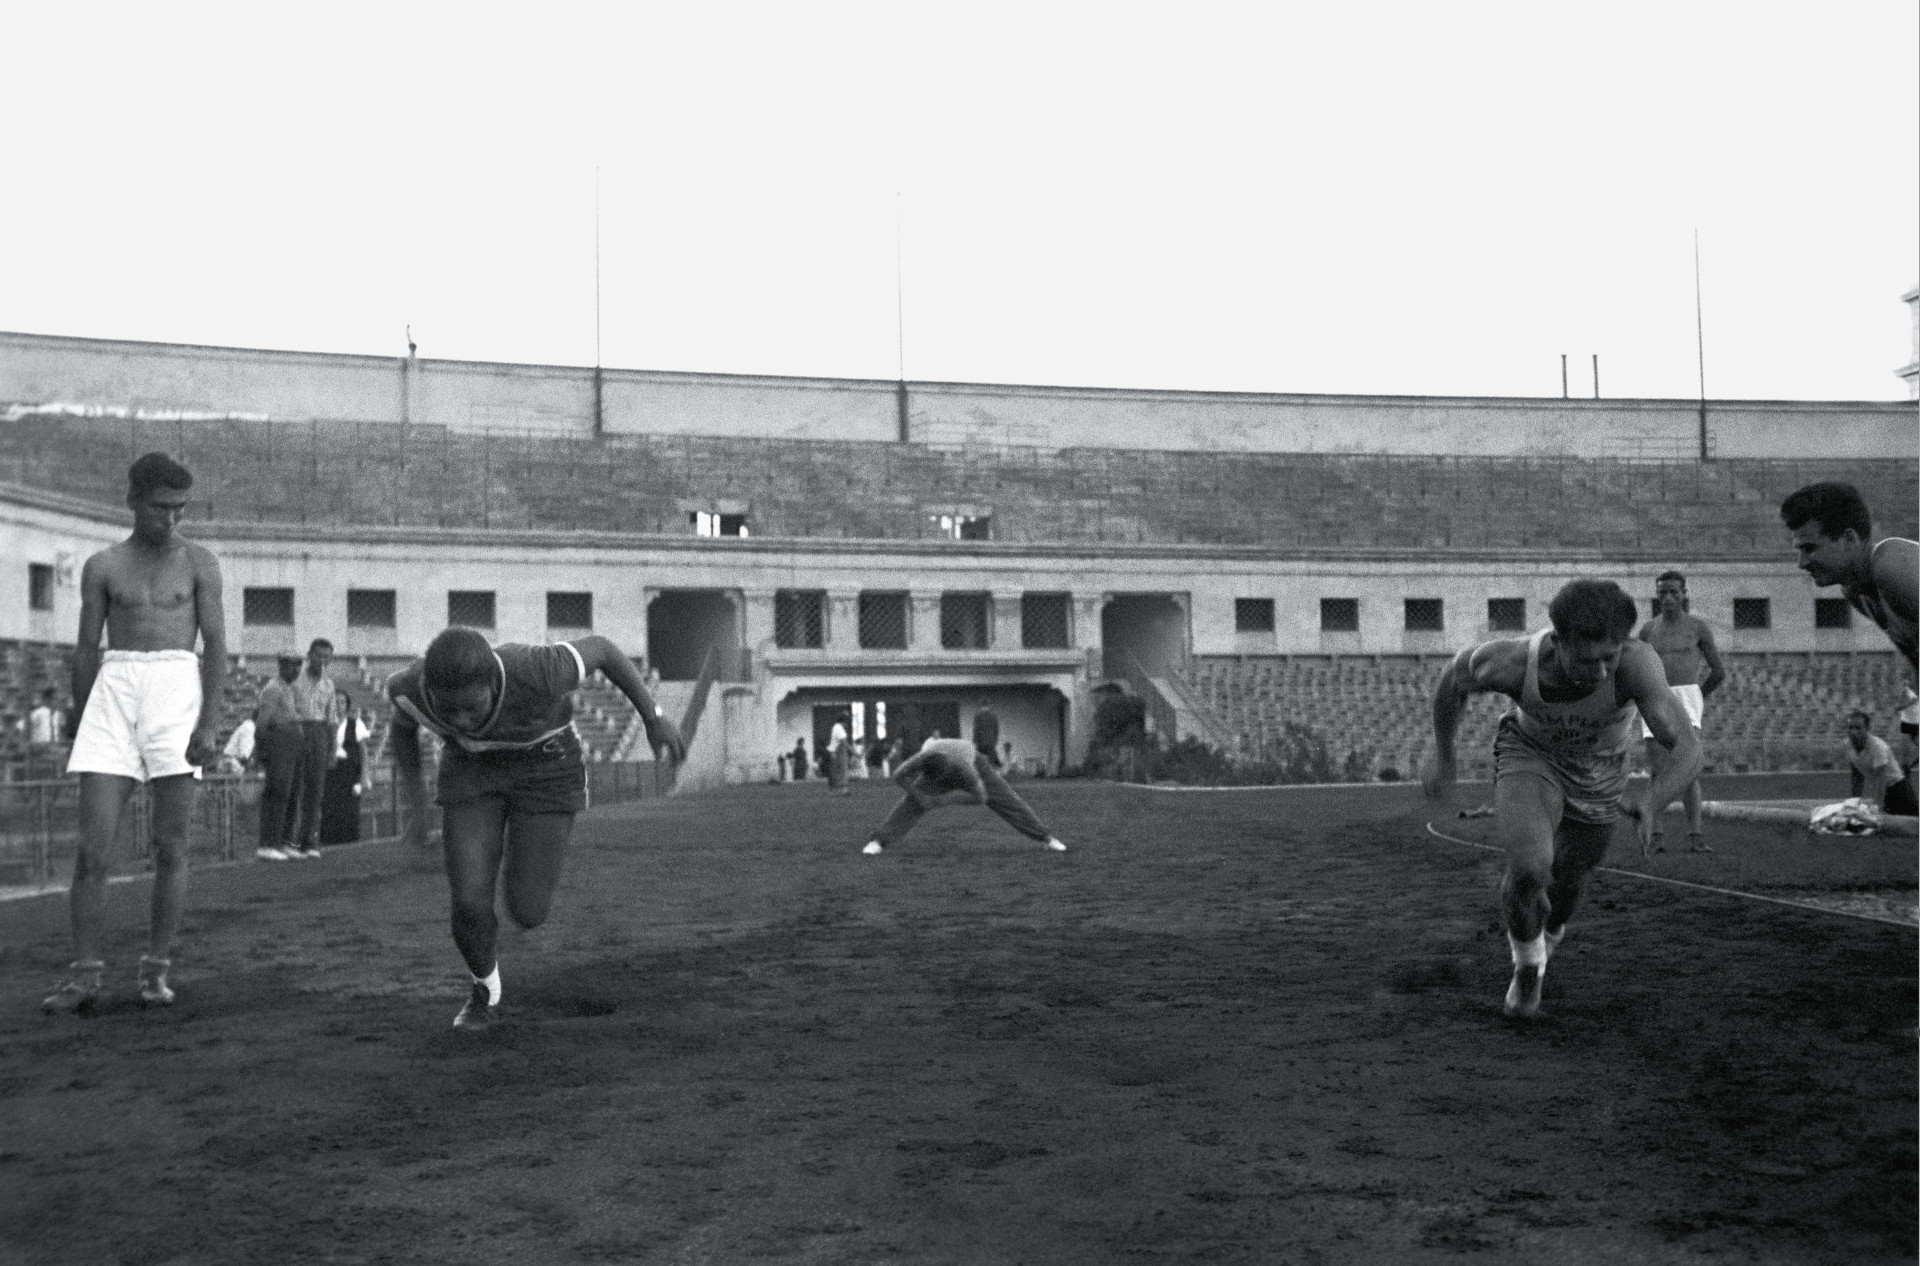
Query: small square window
[470, 608]
[1507, 615]
[1253, 615]
[370, 608]
[569, 610]
[1753, 613]
[40, 586]
[883, 621]
[798, 619]
[1043, 620]
[266, 607]
[963, 621]
[1832, 613]
[1339, 615]
[1425, 615]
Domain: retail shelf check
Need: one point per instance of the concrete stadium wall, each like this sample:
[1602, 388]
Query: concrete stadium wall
[158, 379]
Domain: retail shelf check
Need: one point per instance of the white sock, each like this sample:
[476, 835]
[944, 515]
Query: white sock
[1529, 953]
[492, 981]
[1553, 938]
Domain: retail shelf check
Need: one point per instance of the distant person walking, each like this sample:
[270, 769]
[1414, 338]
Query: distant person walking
[149, 711]
[1687, 651]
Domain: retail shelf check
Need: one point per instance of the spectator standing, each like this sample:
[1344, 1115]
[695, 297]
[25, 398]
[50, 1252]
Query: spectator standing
[837, 741]
[313, 695]
[799, 760]
[346, 776]
[46, 731]
[278, 742]
[986, 734]
[238, 753]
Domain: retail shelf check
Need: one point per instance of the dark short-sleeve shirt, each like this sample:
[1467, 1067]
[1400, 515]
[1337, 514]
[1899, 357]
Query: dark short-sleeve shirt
[532, 701]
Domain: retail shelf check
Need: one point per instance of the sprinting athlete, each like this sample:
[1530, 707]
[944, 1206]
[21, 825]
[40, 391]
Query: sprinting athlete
[950, 771]
[146, 717]
[1691, 659]
[1560, 758]
[1833, 534]
[511, 776]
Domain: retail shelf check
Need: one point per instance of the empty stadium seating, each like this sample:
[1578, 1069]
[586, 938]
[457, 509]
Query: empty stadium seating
[381, 474]
[1775, 712]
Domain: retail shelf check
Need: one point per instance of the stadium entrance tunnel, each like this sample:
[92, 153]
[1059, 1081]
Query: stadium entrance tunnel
[1031, 719]
[1147, 628]
[683, 625]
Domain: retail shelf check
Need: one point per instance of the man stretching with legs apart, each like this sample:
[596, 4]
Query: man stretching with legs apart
[951, 771]
[1560, 757]
[511, 776]
[149, 715]
[1687, 652]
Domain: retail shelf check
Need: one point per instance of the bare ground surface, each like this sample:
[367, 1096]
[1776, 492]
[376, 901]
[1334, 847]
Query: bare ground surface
[1224, 1028]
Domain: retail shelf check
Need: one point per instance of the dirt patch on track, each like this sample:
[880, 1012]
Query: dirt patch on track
[1251, 1028]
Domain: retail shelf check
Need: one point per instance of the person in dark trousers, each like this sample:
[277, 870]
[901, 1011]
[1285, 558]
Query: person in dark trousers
[800, 760]
[951, 771]
[313, 696]
[279, 746]
[340, 805]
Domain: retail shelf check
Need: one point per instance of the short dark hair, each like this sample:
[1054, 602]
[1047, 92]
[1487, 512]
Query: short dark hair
[1665, 576]
[1834, 507]
[157, 470]
[1593, 611]
[317, 643]
[1866, 718]
[457, 657]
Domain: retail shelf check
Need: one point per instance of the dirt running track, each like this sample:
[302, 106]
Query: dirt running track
[1256, 1027]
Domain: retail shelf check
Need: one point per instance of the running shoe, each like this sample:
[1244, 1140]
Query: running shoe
[1055, 845]
[311, 852]
[1523, 995]
[77, 992]
[873, 847]
[269, 854]
[479, 1011]
[153, 982]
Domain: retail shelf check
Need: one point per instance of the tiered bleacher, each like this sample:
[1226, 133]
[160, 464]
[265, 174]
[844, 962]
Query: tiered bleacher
[383, 474]
[1775, 712]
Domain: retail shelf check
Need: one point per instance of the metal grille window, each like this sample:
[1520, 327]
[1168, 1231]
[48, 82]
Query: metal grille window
[1753, 613]
[370, 609]
[883, 621]
[1253, 615]
[963, 620]
[569, 610]
[1339, 615]
[1043, 619]
[798, 618]
[1507, 615]
[471, 608]
[266, 606]
[1425, 615]
[39, 587]
[1832, 613]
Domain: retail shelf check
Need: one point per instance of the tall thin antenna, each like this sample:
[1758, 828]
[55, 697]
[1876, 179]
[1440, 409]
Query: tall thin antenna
[1563, 375]
[1700, 342]
[596, 267]
[1596, 375]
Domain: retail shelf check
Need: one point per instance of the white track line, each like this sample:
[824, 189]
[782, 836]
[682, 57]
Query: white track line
[1681, 883]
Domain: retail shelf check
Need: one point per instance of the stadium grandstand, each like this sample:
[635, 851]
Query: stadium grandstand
[781, 550]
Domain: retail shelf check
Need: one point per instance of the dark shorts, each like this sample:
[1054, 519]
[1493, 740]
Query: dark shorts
[550, 778]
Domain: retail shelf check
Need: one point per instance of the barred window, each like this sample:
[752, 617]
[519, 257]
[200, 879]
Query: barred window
[569, 610]
[1753, 613]
[1832, 613]
[370, 609]
[1253, 615]
[1043, 620]
[1339, 615]
[1507, 615]
[963, 620]
[40, 586]
[472, 608]
[266, 607]
[798, 618]
[883, 621]
[1425, 615]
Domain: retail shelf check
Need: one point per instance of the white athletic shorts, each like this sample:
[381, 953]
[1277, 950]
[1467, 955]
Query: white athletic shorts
[140, 714]
[1691, 699]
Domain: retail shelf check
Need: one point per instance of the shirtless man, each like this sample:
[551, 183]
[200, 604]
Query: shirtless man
[1833, 533]
[1560, 758]
[1692, 660]
[952, 771]
[155, 593]
[511, 776]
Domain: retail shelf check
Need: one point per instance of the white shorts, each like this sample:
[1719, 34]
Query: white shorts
[1691, 699]
[140, 714]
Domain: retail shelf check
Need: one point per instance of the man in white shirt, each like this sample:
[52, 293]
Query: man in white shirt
[1877, 776]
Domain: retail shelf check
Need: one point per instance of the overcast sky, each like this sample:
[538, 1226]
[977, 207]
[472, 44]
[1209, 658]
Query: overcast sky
[1410, 198]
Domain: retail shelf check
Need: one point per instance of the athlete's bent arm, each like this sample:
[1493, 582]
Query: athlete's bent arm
[1449, 706]
[407, 781]
[597, 652]
[1643, 680]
